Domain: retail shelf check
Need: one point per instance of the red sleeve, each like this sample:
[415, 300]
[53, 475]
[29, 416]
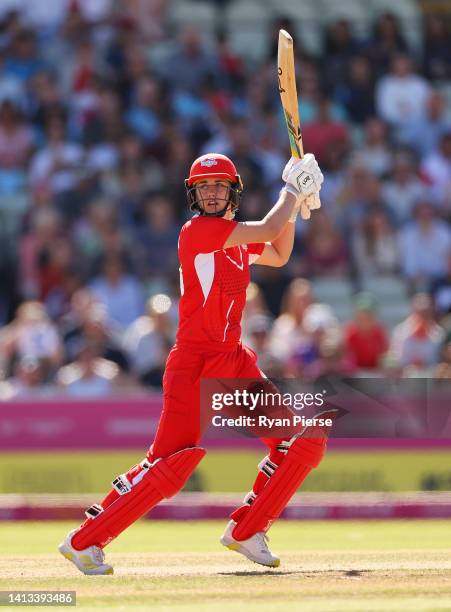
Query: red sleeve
[206, 234]
[256, 248]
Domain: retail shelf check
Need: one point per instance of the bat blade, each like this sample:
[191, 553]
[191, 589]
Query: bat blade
[288, 94]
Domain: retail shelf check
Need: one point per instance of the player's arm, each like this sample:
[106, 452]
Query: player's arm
[303, 181]
[277, 253]
[269, 227]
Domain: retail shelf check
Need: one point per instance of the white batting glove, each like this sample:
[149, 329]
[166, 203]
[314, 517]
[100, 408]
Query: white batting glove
[312, 201]
[303, 175]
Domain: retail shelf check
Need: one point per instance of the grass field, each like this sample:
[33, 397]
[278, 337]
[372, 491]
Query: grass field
[401, 566]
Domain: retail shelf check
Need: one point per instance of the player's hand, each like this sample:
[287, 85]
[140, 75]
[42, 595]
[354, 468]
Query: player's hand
[304, 175]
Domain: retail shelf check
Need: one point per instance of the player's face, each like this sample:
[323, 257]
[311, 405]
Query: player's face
[213, 195]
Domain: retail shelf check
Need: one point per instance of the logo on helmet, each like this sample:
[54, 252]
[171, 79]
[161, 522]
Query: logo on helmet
[209, 162]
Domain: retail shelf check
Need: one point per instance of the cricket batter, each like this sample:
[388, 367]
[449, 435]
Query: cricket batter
[215, 253]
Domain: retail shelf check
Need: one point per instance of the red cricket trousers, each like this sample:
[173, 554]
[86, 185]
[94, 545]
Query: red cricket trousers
[179, 425]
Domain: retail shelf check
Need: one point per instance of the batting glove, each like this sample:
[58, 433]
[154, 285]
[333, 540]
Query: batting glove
[303, 175]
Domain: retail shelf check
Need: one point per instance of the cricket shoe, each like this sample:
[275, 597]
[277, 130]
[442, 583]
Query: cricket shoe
[90, 561]
[254, 548]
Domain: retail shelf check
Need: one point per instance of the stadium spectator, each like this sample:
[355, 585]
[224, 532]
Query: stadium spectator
[255, 305]
[44, 254]
[386, 42]
[287, 331]
[80, 74]
[401, 96]
[179, 152]
[145, 113]
[16, 138]
[24, 60]
[365, 337]
[89, 375]
[45, 101]
[356, 90]
[11, 87]
[417, 340]
[255, 301]
[101, 129]
[31, 335]
[424, 245]
[152, 18]
[435, 48]
[324, 132]
[319, 325]
[425, 135]
[331, 361]
[403, 189]
[436, 168]
[326, 253]
[82, 306]
[189, 66]
[361, 191]
[29, 381]
[258, 337]
[375, 153]
[86, 323]
[59, 165]
[375, 246]
[246, 157]
[339, 48]
[119, 292]
[91, 230]
[157, 238]
[148, 339]
[232, 65]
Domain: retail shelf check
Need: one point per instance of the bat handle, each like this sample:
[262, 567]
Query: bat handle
[301, 148]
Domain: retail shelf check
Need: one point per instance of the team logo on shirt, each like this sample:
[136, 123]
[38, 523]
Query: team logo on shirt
[209, 162]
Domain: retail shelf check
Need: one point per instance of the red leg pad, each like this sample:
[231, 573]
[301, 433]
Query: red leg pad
[164, 478]
[303, 455]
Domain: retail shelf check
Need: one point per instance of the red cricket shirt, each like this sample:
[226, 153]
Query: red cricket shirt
[213, 283]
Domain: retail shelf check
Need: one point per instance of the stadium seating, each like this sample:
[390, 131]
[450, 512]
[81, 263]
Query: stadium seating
[338, 293]
[248, 26]
[392, 298]
[200, 13]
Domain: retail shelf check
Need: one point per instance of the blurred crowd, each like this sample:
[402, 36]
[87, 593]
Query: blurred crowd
[103, 107]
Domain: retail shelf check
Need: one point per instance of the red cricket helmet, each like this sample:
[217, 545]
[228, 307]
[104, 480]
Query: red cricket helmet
[213, 165]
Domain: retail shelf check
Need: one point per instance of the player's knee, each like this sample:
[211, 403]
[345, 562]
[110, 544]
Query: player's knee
[308, 451]
[167, 474]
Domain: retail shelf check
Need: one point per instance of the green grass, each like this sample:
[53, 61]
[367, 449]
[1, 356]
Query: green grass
[401, 566]
[223, 471]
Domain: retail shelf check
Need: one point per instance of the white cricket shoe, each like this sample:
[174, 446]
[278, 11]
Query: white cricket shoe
[90, 560]
[254, 548]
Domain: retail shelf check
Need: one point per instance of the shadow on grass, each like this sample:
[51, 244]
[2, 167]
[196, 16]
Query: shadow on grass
[305, 573]
[257, 573]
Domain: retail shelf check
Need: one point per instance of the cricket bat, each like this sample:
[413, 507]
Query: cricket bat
[289, 97]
